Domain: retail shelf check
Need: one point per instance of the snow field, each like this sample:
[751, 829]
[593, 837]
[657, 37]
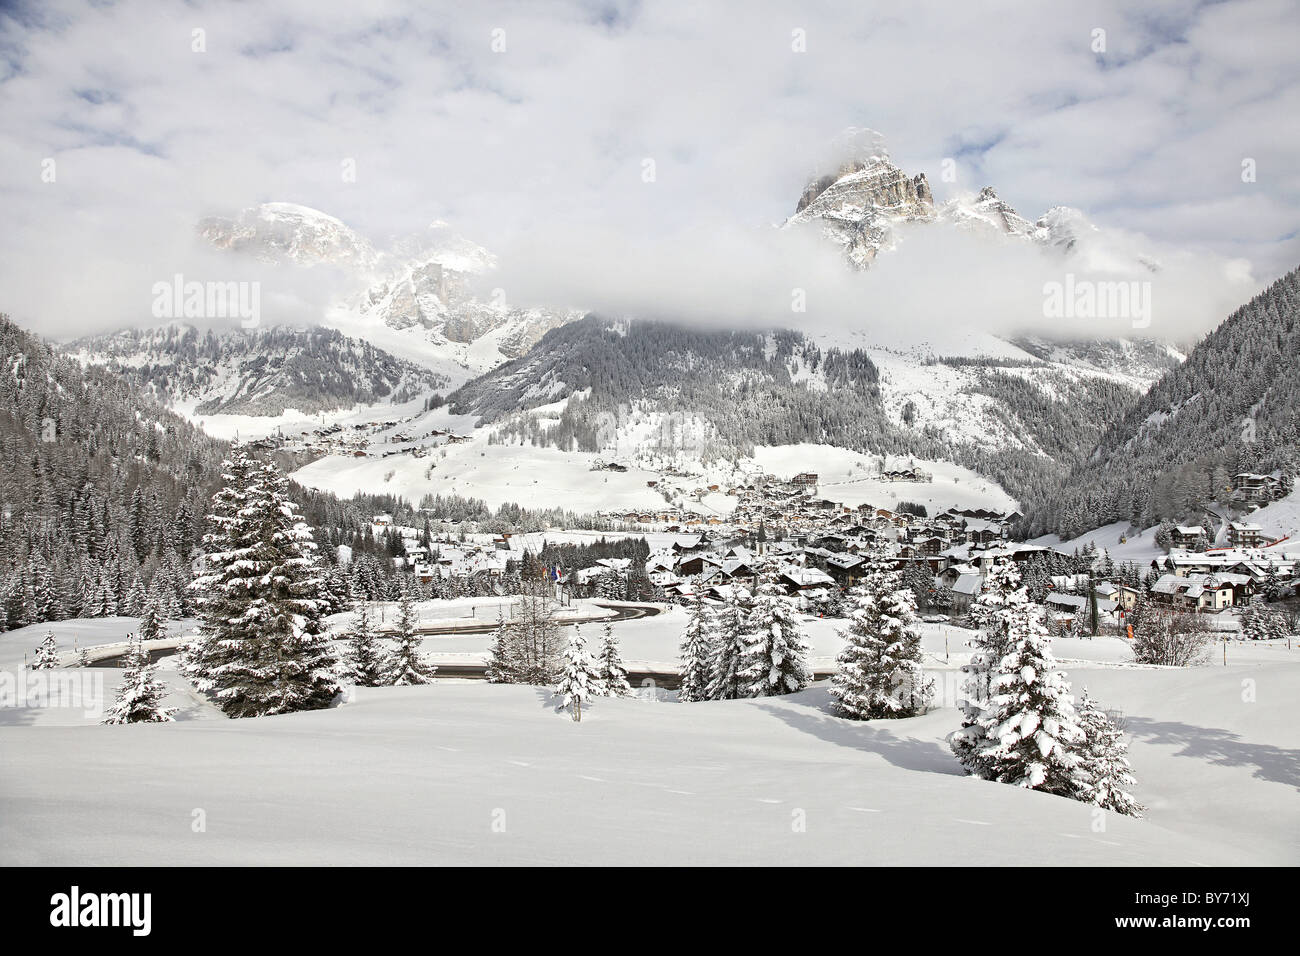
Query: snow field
[474, 773]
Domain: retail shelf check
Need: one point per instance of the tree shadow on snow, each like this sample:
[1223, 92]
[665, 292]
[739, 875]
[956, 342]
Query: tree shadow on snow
[809, 711]
[1221, 747]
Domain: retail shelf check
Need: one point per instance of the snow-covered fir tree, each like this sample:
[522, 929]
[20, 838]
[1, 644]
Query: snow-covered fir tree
[613, 675]
[406, 665]
[365, 663]
[151, 625]
[1105, 778]
[262, 647]
[47, 653]
[579, 678]
[879, 671]
[502, 664]
[776, 654]
[1027, 732]
[725, 681]
[991, 610]
[612, 586]
[139, 699]
[698, 650]
[1259, 622]
[536, 639]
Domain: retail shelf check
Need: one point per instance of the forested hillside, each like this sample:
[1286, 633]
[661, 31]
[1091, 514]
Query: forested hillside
[257, 371]
[103, 492]
[754, 387]
[777, 387]
[1233, 406]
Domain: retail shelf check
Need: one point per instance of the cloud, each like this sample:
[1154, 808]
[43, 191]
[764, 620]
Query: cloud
[939, 285]
[540, 144]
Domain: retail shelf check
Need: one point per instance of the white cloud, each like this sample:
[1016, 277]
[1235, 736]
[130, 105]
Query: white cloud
[540, 147]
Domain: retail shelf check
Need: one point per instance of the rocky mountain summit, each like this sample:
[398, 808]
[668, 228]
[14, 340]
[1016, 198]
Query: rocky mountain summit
[424, 285]
[861, 205]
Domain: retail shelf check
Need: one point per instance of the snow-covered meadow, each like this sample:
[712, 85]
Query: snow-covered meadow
[469, 772]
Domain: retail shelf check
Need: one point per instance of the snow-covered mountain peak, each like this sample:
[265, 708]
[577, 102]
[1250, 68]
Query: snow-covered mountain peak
[414, 296]
[279, 232]
[860, 203]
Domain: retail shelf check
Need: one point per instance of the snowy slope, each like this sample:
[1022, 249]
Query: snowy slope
[419, 775]
[544, 477]
[1280, 519]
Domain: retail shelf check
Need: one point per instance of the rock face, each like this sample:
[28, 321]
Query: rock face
[280, 232]
[863, 202]
[421, 284]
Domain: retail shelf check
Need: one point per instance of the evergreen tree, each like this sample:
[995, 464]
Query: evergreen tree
[262, 647]
[879, 671]
[579, 678]
[725, 681]
[612, 586]
[775, 654]
[47, 654]
[1105, 776]
[365, 656]
[613, 675]
[537, 644]
[698, 650]
[992, 612]
[406, 665]
[1259, 622]
[151, 625]
[1027, 732]
[503, 663]
[139, 699]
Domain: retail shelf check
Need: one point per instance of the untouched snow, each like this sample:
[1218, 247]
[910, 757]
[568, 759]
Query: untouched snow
[543, 477]
[847, 476]
[1280, 519]
[1140, 548]
[466, 772]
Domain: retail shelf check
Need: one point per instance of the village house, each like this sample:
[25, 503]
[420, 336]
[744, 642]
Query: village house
[1205, 592]
[1242, 534]
[1186, 536]
[1252, 487]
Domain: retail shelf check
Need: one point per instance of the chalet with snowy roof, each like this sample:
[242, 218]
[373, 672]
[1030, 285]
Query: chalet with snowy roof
[1249, 486]
[804, 580]
[931, 546]
[1186, 536]
[1206, 592]
[1079, 606]
[965, 588]
[845, 569]
[737, 569]
[1243, 534]
[980, 531]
